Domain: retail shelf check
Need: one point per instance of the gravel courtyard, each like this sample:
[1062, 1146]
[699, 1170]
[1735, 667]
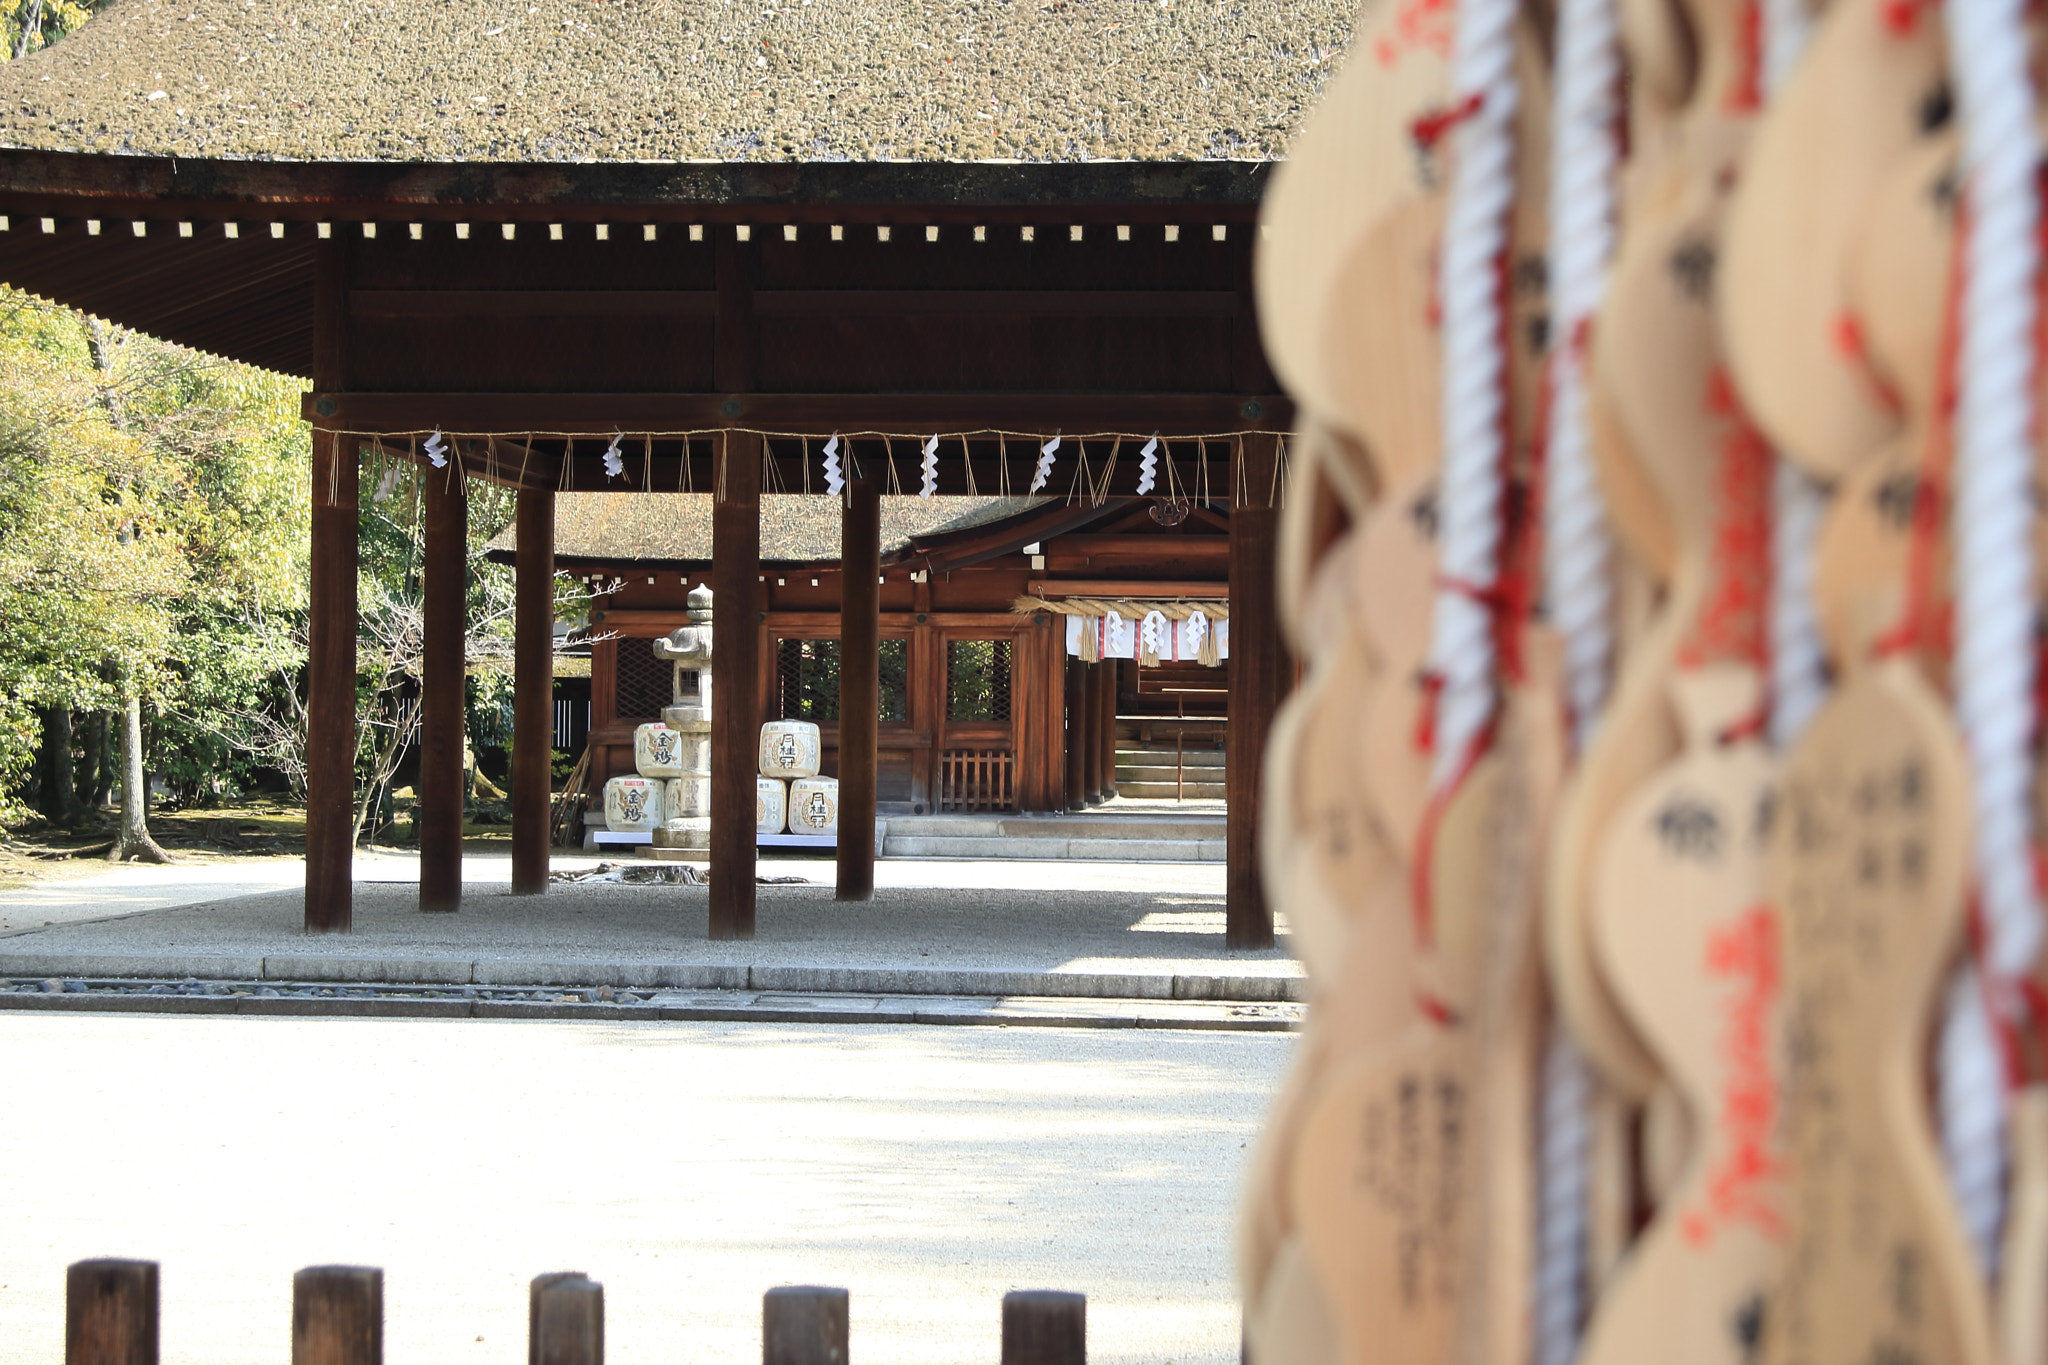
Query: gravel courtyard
[686, 1166]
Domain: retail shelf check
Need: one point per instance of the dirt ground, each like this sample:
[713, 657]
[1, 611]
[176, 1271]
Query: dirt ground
[241, 832]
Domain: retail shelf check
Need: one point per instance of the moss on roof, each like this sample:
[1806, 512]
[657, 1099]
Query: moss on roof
[669, 80]
[675, 528]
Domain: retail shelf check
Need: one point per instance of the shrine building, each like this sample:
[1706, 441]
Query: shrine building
[1022, 640]
[675, 246]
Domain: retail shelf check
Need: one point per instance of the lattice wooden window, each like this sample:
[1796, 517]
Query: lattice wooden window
[807, 680]
[978, 680]
[645, 684]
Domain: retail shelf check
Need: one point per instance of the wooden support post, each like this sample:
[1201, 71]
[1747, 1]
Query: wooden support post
[1091, 731]
[1076, 734]
[1109, 700]
[533, 688]
[331, 689]
[1258, 673]
[860, 683]
[110, 1313]
[442, 687]
[338, 1315]
[735, 683]
[1045, 1327]
[804, 1324]
[331, 625]
[565, 1320]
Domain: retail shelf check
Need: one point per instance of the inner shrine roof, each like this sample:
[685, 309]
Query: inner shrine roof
[671, 529]
[691, 81]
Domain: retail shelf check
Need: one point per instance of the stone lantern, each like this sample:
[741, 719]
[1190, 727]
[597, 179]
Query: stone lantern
[686, 809]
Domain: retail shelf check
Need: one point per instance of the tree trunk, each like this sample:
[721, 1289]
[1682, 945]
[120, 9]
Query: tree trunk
[133, 840]
[99, 762]
[59, 786]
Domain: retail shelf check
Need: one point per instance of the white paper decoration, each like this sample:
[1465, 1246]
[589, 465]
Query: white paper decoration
[930, 466]
[1045, 459]
[834, 480]
[614, 462]
[1148, 466]
[437, 449]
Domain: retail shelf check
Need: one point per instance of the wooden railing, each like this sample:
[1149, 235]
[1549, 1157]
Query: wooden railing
[110, 1318]
[976, 779]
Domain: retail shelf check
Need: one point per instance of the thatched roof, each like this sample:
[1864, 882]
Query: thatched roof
[680, 80]
[673, 530]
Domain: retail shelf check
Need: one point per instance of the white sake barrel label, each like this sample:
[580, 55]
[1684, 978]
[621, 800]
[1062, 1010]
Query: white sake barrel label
[814, 805]
[789, 748]
[657, 751]
[771, 805]
[632, 804]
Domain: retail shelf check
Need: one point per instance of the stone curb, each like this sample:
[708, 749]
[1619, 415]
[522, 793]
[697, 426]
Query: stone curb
[761, 1008]
[663, 976]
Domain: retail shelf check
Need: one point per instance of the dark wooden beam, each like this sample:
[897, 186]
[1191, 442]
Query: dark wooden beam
[532, 303]
[907, 415]
[445, 571]
[1016, 303]
[331, 632]
[533, 688]
[519, 464]
[860, 606]
[1259, 673]
[735, 669]
[120, 187]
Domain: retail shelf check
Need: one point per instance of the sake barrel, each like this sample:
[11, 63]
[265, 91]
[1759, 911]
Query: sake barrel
[814, 805]
[632, 804]
[789, 748]
[771, 805]
[657, 750]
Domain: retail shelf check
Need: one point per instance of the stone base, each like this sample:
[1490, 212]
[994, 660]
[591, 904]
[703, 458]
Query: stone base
[678, 834]
[675, 855]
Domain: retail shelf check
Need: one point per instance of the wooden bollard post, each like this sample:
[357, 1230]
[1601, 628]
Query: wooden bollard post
[110, 1313]
[565, 1320]
[803, 1324]
[338, 1315]
[1045, 1327]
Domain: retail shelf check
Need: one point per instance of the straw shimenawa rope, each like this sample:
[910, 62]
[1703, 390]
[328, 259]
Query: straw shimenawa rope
[1134, 611]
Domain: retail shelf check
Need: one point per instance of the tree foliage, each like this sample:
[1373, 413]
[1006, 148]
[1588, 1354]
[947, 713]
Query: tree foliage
[151, 505]
[29, 26]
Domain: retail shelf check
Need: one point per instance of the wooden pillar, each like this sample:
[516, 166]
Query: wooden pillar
[860, 683]
[110, 1313]
[331, 625]
[338, 1315]
[565, 1319]
[735, 682]
[1044, 1327]
[1076, 734]
[804, 1324]
[1109, 689]
[331, 689]
[533, 688]
[1258, 673]
[1091, 734]
[446, 589]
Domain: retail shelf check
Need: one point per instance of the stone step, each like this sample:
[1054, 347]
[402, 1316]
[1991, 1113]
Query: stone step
[1203, 758]
[1165, 772]
[1168, 790]
[1057, 849]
